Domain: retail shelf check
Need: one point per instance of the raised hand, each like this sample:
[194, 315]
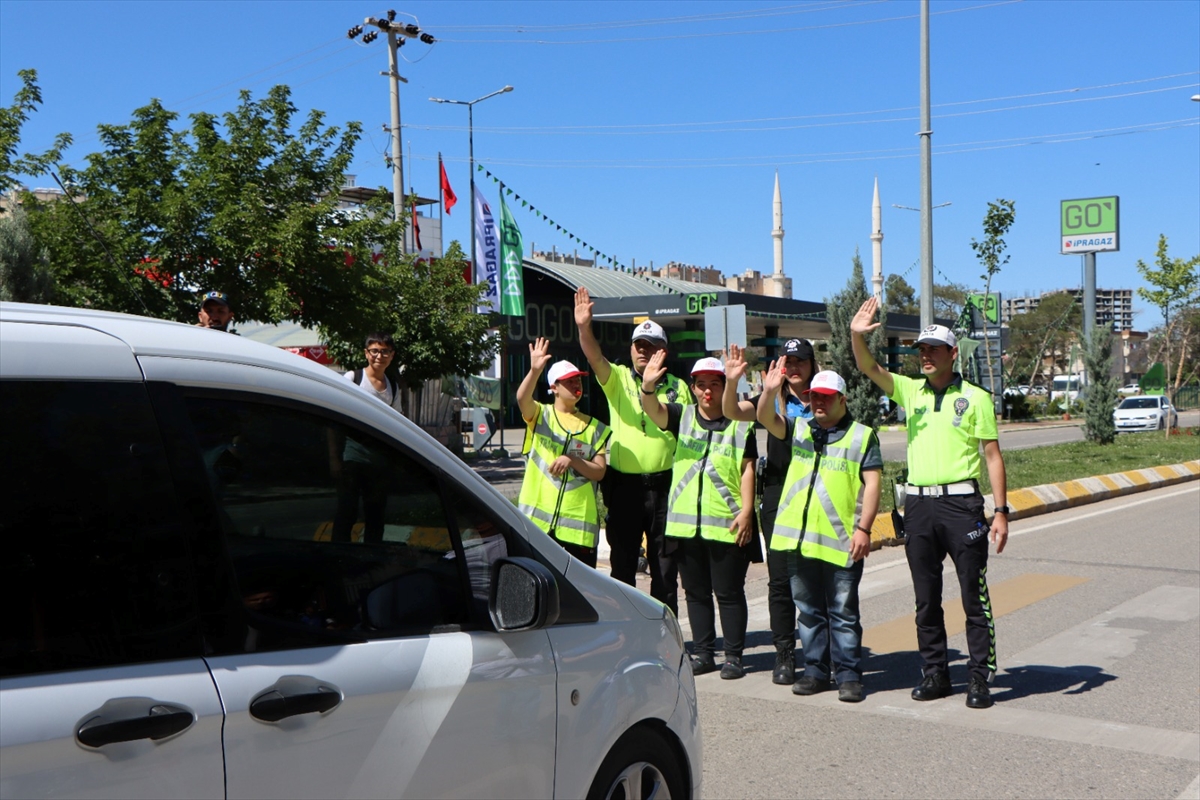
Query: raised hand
[773, 378]
[656, 368]
[735, 364]
[539, 355]
[862, 323]
[583, 307]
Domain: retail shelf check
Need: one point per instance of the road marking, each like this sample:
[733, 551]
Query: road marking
[1121, 507]
[1192, 792]
[900, 634]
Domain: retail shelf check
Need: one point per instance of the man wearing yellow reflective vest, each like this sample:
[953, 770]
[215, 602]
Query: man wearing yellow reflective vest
[947, 419]
[710, 513]
[639, 475]
[830, 498]
[566, 457]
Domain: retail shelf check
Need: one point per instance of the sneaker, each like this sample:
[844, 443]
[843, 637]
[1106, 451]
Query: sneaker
[934, 685]
[809, 685]
[703, 664]
[978, 694]
[785, 667]
[850, 692]
[732, 670]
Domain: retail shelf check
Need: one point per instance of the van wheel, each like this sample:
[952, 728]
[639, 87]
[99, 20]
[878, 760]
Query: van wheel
[641, 766]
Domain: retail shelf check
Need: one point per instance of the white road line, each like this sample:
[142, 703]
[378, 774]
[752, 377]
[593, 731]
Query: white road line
[1192, 792]
[1191, 488]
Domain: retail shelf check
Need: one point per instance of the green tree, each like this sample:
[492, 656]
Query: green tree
[862, 396]
[26, 101]
[990, 252]
[948, 300]
[25, 277]
[1042, 335]
[248, 203]
[899, 296]
[1176, 285]
[1102, 387]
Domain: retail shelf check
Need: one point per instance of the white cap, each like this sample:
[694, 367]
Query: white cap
[827, 382]
[709, 365]
[561, 370]
[652, 331]
[938, 334]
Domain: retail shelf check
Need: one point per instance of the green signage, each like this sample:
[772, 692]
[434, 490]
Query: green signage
[1090, 225]
[989, 305]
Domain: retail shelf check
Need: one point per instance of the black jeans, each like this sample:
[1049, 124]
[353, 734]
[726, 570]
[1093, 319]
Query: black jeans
[714, 568]
[954, 525]
[585, 554]
[637, 504]
[780, 605]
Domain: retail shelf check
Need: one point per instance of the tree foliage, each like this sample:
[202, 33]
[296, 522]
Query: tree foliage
[996, 223]
[899, 296]
[862, 396]
[1040, 340]
[12, 118]
[1176, 285]
[25, 277]
[1102, 387]
[247, 203]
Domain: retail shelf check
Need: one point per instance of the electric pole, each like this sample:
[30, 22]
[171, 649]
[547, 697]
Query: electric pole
[396, 36]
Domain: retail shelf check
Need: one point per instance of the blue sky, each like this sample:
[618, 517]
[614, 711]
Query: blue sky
[653, 130]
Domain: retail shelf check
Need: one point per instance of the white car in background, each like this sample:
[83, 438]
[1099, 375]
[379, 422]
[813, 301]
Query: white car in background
[1129, 389]
[1147, 412]
[194, 605]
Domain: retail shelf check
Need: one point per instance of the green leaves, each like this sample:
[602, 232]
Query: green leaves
[26, 101]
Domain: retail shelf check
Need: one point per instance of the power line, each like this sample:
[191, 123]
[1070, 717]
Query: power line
[726, 33]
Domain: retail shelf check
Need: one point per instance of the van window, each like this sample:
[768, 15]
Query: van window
[95, 569]
[333, 534]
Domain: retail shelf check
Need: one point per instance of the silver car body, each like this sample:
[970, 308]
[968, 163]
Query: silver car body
[464, 714]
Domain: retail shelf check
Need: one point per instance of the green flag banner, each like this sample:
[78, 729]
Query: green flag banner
[512, 285]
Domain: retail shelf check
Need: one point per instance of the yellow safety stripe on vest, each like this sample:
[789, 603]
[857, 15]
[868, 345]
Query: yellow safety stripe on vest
[533, 512]
[536, 459]
[734, 436]
[830, 548]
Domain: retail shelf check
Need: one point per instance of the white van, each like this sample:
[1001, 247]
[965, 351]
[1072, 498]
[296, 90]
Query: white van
[228, 572]
[1066, 387]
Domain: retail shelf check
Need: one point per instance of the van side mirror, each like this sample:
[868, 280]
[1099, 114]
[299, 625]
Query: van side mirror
[524, 595]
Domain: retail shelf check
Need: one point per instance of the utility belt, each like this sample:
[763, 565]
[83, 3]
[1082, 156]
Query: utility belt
[645, 480]
[958, 489]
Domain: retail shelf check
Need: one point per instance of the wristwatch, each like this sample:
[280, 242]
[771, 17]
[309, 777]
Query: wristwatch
[652, 391]
[1003, 510]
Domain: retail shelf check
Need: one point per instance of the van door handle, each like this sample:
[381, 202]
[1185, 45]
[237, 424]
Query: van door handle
[293, 695]
[129, 719]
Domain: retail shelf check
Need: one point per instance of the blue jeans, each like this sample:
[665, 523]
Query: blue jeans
[830, 628]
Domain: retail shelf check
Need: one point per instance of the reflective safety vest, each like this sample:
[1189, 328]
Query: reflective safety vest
[564, 507]
[706, 479]
[822, 495]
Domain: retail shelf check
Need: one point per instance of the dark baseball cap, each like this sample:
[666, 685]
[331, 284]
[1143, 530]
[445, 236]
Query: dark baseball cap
[800, 348]
[215, 297]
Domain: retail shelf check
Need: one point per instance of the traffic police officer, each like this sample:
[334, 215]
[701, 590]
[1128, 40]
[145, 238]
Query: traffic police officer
[566, 457]
[710, 513]
[640, 456]
[823, 529]
[947, 418]
[799, 365]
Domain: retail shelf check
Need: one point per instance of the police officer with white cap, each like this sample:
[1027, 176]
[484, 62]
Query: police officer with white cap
[948, 419]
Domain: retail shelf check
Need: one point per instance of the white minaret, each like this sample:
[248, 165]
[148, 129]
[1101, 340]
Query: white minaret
[876, 244]
[777, 233]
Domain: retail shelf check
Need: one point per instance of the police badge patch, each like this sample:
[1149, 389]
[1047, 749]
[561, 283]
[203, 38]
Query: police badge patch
[960, 408]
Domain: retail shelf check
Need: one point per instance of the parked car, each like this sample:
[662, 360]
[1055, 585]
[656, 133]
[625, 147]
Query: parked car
[1149, 412]
[195, 607]
[1129, 389]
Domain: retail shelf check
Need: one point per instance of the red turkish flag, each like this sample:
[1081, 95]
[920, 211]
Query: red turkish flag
[448, 196]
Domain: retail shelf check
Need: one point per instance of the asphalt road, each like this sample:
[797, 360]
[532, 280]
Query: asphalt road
[1098, 693]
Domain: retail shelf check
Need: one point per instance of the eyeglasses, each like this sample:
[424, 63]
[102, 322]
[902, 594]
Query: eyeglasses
[376, 353]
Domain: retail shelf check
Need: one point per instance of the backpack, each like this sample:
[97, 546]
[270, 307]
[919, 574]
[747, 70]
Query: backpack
[358, 378]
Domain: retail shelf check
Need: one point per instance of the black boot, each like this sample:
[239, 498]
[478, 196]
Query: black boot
[785, 666]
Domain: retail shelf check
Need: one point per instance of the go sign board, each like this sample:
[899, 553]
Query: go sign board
[1090, 225]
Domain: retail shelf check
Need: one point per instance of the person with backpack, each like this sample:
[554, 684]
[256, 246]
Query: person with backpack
[379, 349]
[567, 456]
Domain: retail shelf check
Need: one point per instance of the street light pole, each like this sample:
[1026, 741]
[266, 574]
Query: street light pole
[470, 104]
[926, 134]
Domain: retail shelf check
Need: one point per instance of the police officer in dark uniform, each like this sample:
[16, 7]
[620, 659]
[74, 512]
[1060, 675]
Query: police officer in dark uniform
[948, 419]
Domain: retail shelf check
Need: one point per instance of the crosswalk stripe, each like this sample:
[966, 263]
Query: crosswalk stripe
[900, 634]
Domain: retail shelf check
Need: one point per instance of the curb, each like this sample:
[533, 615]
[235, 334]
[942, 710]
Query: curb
[1049, 497]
